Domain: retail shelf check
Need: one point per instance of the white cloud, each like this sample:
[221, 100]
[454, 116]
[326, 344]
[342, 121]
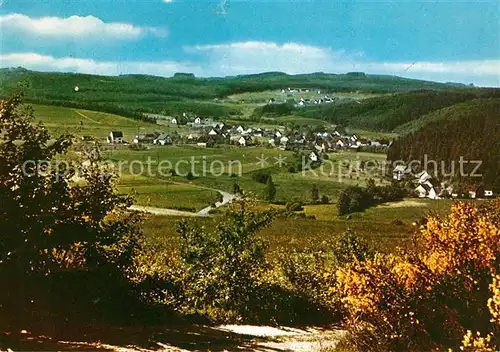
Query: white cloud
[253, 56]
[49, 63]
[167, 1]
[88, 27]
[293, 58]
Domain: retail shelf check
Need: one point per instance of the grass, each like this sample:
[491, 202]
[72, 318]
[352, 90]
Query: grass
[170, 196]
[287, 234]
[220, 168]
[409, 210]
[377, 225]
[61, 120]
[300, 120]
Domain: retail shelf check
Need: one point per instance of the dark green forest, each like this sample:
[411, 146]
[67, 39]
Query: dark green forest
[470, 131]
[388, 113]
[142, 93]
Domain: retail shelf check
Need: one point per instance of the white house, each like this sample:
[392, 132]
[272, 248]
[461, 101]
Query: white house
[423, 177]
[340, 143]
[272, 141]
[426, 190]
[197, 121]
[240, 129]
[313, 156]
[284, 140]
[212, 132]
[174, 121]
[257, 132]
[163, 139]
[278, 134]
[202, 145]
[399, 172]
[115, 137]
[244, 141]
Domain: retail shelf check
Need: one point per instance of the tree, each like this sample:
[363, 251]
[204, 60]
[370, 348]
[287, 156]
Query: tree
[270, 189]
[236, 188]
[315, 194]
[220, 267]
[219, 197]
[47, 221]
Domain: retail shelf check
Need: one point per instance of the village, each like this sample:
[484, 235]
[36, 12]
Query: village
[315, 144]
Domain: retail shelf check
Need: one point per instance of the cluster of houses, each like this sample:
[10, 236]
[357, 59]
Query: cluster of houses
[428, 187]
[301, 102]
[211, 133]
[324, 100]
[116, 137]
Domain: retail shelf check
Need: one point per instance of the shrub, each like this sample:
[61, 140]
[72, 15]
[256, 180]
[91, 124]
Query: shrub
[190, 176]
[397, 222]
[270, 192]
[48, 222]
[294, 206]
[349, 247]
[315, 194]
[313, 274]
[430, 297]
[325, 199]
[236, 188]
[261, 176]
[355, 198]
[219, 270]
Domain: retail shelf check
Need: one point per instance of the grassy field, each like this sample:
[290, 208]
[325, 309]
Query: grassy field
[216, 168]
[170, 196]
[221, 168]
[60, 120]
[376, 224]
[79, 122]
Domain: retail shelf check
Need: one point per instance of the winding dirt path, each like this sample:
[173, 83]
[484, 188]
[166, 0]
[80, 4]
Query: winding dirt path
[226, 199]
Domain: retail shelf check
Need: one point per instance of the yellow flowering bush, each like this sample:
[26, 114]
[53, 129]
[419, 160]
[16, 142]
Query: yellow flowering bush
[432, 296]
[494, 301]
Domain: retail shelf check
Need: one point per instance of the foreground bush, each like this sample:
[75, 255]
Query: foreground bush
[432, 297]
[66, 239]
[48, 220]
[218, 271]
[312, 274]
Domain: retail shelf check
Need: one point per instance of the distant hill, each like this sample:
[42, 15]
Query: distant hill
[170, 95]
[392, 112]
[469, 130]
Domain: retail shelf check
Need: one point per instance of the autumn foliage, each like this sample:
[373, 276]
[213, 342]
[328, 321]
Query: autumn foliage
[433, 296]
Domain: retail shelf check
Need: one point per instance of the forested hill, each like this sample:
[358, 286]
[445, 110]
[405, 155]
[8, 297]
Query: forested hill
[184, 92]
[391, 112]
[60, 85]
[469, 130]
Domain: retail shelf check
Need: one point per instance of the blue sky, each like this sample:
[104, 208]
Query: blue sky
[435, 40]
